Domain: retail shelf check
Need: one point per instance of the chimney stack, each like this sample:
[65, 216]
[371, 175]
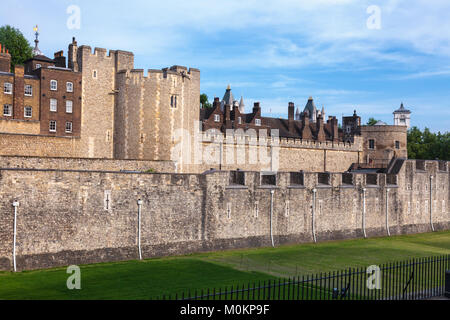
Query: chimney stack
[291, 108]
[306, 130]
[216, 102]
[73, 53]
[320, 131]
[60, 60]
[5, 59]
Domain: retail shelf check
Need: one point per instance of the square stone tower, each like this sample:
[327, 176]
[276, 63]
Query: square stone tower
[99, 92]
[402, 117]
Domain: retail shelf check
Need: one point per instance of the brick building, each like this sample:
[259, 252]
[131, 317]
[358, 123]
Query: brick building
[41, 98]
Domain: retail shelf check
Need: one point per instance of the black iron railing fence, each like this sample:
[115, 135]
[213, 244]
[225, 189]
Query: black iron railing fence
[414, 279]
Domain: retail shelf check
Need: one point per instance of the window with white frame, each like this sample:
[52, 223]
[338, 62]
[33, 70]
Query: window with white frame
[258, 122]
[216, 118]
[7, 88]
[69, 86]
[7, 110]
[38, 65]
[239, 120]
[68, 127]
[28, 90]
[52, 127]
[53, 105]
[28, 112]
[69, 106]
[53, 85]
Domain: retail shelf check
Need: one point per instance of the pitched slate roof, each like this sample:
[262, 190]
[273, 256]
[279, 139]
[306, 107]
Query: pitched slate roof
[402, 109]
[310, 106]
[228, 97]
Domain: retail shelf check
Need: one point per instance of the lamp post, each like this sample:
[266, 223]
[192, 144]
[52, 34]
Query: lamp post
[139, 203]
[313, 215]
[15, 205]
[364, 212]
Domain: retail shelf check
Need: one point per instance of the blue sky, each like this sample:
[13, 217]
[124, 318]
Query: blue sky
[275, 51]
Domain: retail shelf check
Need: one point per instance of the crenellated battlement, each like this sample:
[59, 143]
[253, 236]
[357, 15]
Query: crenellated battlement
[102, 52]
[246, 138]
[178, 71]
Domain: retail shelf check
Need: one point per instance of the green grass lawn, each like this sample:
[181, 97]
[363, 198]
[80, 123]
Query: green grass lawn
[155, 277]
[289, 261]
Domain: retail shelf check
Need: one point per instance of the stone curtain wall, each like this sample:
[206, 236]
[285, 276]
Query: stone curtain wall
[74, 217]
[85, 164]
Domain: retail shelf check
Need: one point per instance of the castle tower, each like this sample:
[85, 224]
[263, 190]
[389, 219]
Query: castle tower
[99, 96]
[156, 114]
[402, 117]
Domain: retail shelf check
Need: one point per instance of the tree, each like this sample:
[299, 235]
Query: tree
[372, 121]
[204, 101]
[19, 47]
[428, 145]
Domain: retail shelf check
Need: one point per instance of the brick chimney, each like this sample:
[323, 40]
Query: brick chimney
[72, 58]
[334, 129]
[60, 60]
[216, 102]
[227, 116]
[5, 59]
[256, 107]
[291, 108]
[19, 90]
[320, 131]
[306, 130]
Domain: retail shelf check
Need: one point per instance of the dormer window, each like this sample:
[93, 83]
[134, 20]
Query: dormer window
[258, 122]
[53, 85]
[216, 118]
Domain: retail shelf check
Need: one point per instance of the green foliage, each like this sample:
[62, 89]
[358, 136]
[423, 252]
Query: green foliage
[19, 47]
[204, 101]
[372, 121]
[151, 170]
[155, 277]
[428, 145]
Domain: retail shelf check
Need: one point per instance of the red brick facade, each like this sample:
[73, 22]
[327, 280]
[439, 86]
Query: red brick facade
[32, 94]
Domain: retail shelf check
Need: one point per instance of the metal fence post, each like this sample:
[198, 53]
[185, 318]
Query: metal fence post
[447, 283]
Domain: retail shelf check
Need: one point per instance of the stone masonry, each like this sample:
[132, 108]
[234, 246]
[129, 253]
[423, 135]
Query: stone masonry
[74, 217]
